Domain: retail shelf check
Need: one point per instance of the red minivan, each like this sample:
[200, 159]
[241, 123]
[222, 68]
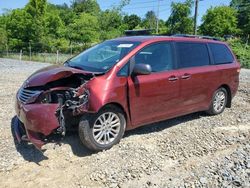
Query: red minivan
[125, 83]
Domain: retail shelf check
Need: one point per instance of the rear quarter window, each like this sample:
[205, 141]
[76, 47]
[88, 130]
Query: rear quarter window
[192, 54]
[221, 54]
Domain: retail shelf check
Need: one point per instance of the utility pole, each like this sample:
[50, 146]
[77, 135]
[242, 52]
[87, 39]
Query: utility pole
[157, 21]
[195, 16]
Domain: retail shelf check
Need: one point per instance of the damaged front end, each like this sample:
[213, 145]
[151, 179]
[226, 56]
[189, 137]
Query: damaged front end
[51, 108]
[75, 102]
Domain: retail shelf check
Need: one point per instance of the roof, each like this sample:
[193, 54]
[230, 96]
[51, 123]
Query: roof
[165, 38]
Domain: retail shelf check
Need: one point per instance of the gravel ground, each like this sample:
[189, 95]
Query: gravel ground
[196, 150]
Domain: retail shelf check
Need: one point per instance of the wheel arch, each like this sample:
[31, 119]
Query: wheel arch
[116, 105]
[86, 134]
[229, 95]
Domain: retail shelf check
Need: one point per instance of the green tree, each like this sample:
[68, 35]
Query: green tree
[54, 25]
[219, 21]
[241, 51]
[3, 39]
[163, 29]
[180, 20]
[19, 29]
[84, 30]
[36, 9]
[66, 13]
[55, 32]
[236, 3]
[121, 5]
[132, 21]
[86, 6]
[3, 33]
[37, 25]
[149, 22]
[111, 24]
[243, 9]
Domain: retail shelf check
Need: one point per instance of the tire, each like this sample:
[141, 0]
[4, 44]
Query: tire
[94, 133]
[219, 101]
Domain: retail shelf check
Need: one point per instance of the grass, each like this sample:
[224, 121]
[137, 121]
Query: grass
[40, 57]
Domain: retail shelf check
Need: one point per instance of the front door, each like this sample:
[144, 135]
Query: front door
[155, 96]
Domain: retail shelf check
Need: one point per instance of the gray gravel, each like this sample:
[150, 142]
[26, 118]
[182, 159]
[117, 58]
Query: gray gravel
[196, 150]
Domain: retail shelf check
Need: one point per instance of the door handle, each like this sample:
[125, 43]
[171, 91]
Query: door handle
[185, 76]
[172, 78]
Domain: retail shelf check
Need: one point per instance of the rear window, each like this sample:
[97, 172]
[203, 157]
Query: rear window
[192, 54]
[221, 53]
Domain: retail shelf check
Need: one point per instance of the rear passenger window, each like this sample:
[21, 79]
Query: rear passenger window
[221, 54]
[192, 54]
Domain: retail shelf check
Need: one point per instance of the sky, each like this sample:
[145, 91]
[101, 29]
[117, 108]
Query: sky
[139, 7]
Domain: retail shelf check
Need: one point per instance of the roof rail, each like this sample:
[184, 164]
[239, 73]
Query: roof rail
[196, 36]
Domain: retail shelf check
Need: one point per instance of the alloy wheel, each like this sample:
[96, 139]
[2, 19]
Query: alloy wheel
[219, 101]
[106, 128]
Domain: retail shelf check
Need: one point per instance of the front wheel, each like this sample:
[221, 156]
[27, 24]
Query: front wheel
[102, 130]
[219, 102]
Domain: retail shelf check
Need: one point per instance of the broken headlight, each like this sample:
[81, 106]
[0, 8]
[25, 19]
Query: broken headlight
[52, 96]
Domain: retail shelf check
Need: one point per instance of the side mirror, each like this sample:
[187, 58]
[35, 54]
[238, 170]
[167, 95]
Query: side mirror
[142, 69]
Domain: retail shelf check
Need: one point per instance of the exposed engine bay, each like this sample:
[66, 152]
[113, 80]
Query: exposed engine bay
[72, 96]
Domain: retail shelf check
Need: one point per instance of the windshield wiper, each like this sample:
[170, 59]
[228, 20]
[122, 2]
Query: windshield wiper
[76, 67]
[67, 63]
[96, 73]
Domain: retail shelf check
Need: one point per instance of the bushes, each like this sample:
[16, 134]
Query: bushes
[242, 52]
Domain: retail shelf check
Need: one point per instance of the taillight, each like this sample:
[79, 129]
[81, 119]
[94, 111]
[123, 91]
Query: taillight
[238, 70]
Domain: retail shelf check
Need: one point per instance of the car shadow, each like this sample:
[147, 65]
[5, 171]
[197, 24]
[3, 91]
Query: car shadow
[77, 147]
[27, 150]
[30, 153]
[159, 126]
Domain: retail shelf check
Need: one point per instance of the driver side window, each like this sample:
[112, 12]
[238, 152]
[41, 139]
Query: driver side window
[158, 56]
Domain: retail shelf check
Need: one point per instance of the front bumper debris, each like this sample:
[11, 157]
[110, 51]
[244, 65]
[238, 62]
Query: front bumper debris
[39, 121]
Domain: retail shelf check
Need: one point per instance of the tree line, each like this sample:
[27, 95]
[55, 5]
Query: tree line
[46, 27]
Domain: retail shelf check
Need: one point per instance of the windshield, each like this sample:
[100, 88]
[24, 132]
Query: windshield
[102, 57]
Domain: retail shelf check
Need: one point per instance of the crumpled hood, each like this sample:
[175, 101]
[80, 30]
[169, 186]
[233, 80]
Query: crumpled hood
[51, 73]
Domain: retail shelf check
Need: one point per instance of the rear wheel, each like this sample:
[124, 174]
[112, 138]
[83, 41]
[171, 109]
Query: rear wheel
[102, 130]
[219, 101]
